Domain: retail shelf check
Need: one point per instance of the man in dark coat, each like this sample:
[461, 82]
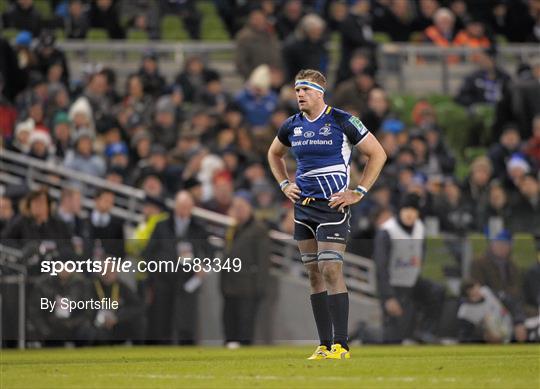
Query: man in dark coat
[106, 230]
[306, 48]
[243, 290]
[173, 307]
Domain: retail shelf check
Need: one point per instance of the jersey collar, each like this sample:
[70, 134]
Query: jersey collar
[318, 116]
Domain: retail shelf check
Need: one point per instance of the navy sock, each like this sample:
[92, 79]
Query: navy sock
[319, 303]
[339, 312]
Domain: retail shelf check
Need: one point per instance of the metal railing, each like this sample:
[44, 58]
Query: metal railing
[395, 59]
[427, 62]
[16, 168]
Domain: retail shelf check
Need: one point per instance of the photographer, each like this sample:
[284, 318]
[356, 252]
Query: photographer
[116, 325]
[399, 254]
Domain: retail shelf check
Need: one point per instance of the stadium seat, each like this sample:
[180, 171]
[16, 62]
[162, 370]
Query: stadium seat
[382, 37]
[9, 33]
[137, 35]
[172, 29]
[97, 34]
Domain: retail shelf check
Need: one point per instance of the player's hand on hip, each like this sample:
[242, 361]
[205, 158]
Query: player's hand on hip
[292, 192]
[342, 199]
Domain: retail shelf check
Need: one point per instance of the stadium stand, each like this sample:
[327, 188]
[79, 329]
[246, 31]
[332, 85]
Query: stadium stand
[147, 108]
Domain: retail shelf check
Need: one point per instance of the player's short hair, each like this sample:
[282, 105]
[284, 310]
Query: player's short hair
[311, 75]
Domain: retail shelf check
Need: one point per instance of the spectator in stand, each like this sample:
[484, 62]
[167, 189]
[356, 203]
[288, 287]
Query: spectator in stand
[233, 14]
[104, 14]
[442, 32]
[61, 134]
[378, 109]
[498, 271]
[222, 193]
[12, 79]
[288, 18]
[526, 101]
[511, 19]
[143, 15]
[23, 15]
[456, 217]
[476, 185]
[69, 210]
[257, 100]
[106, 230]
[441, 159]
[189, 14]
[517, 167]
[424, 15]
[482, 317]
[496, 215]
[21, 140]
[499, 153]
[76, 22]
[136, 100]
[532, 148]
[214, 96]
[394, 20]
[165, 128]
[485, 85]
[354, 92]
[27, 62]
[256, 45]
[83, 158]
[40, 145]
[7, 212]
[30, 229]
[306, 48]
[462, 13]
[96, 95]
[356, 33]
[473, 36]
[8, 114]
[153, 82]
[48, 55]
[534, 36]
[525, 207]
[191, 79]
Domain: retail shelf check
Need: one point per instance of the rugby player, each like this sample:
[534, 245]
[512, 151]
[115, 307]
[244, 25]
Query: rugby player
[322, 139]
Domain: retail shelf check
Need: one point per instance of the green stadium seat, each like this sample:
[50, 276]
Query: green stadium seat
[137, 35]
[97, 34]
[382, 37]
[9, 33]
[172, 29]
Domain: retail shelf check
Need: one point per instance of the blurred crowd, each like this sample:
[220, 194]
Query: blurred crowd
[191, 138]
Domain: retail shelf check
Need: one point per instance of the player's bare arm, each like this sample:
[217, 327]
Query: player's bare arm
[276, 159]
[372, 149]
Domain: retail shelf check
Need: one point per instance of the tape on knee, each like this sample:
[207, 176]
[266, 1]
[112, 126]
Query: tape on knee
[330, 255]
[309, 257]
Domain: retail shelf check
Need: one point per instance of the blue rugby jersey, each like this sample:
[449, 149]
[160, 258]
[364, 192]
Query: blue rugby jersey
[322, 148]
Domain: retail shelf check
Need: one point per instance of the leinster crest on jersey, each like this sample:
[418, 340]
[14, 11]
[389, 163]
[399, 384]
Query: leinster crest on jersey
[325, 130]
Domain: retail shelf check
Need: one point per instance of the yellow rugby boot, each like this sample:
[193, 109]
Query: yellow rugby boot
[320, 353]
[338, 352]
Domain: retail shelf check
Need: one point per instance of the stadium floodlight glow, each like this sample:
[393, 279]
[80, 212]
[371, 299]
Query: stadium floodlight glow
[308, 84]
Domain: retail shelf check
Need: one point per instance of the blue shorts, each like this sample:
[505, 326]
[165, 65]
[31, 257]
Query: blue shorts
[316, 220]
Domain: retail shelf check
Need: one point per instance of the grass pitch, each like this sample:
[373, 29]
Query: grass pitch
[272, 367]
